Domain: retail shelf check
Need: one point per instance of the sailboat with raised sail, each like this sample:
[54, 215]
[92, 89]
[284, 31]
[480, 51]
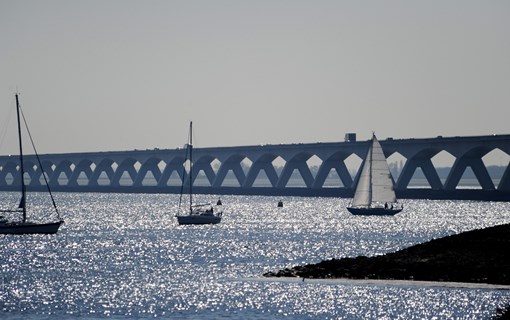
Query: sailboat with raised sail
[374, 194]
[24, 226]
[196, 213]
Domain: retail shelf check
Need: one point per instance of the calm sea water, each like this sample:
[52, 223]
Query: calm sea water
[123, 255]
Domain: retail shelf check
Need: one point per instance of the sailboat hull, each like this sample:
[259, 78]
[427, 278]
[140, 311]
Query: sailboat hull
[373, 211]
[198, 219]
[30, 228]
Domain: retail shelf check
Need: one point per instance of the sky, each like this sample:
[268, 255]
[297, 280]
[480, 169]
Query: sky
[108, 75]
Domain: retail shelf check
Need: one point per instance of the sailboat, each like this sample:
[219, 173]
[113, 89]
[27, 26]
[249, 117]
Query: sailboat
[196, 213]
[374, 193]
[25, 226]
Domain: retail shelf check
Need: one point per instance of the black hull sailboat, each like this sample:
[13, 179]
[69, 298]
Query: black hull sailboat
[374, 195]
[24, 226]
[373, 211]
[30, 228]
[200, 213]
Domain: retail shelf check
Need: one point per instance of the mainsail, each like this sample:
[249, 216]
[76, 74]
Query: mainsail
[375, 184]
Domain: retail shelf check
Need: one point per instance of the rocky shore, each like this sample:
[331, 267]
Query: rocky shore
[478, 256]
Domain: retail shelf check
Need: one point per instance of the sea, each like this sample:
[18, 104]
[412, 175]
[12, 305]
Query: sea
[124, 256]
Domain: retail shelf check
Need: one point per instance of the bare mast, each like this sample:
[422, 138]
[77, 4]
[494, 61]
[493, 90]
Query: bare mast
[22, 204]
[190, 165]
[371, 150]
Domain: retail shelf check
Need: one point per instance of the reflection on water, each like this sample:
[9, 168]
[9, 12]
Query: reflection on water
[125, 255]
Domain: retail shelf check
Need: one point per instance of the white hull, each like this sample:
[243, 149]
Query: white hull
[198, 219]
[30, 228]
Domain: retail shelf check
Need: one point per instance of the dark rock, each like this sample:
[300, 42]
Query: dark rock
[479, 256]
[503, 313]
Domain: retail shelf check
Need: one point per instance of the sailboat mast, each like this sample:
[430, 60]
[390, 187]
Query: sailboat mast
[190, 165]
[371, 150]
[21, 168]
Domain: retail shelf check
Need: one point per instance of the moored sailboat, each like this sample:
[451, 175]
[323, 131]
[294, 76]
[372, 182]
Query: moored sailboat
[25, 226]
[196, 213]
[374, 194]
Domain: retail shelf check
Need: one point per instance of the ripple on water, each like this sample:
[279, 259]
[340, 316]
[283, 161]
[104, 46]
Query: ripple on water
[124, 255]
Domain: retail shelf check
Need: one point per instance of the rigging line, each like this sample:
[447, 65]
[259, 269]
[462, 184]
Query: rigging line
[190, 166]
[183, 176]
[40, 164]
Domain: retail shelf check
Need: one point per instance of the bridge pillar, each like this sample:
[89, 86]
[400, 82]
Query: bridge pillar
[11, 168]
[325, 169]
[30, 172]
[206, 167]
[47, 166]
[289, 168]
[233, 164]
[3, 174]
[104, 166]
[128, 165]
[83, 166]
[176, 164]
[478, 167]
[238, 171]
[150, 165]
[428, 170]
[16, 176]
[504, 183]
[266, 164]
[63, 167]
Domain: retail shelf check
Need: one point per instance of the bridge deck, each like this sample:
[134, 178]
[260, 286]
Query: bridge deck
[254, 169]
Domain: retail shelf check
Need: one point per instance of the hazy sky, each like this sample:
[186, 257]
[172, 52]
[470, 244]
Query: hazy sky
[119, 75]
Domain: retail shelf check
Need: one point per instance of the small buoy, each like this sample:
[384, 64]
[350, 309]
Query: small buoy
[280, 204]
[219, 202]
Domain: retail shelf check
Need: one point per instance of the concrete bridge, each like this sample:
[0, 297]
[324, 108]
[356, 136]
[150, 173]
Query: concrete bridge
[239, 170]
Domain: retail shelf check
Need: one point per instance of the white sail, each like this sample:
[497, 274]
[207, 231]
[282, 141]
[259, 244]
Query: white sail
[363, 193]
[375, 184]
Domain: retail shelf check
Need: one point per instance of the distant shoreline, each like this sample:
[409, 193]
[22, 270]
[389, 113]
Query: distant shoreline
[478, 256]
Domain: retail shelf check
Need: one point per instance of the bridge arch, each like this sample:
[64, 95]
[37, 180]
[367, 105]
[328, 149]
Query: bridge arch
[263, 163]
[337, 162]
[84, 166]
[62, 168]
[30, 169]
[175, 165]
[472, 158]
[104, 166]
[150, 165]
[125, 166]
[10, 172]
[423, 160]
[204, 163]
[232, 163]
[297, 162]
